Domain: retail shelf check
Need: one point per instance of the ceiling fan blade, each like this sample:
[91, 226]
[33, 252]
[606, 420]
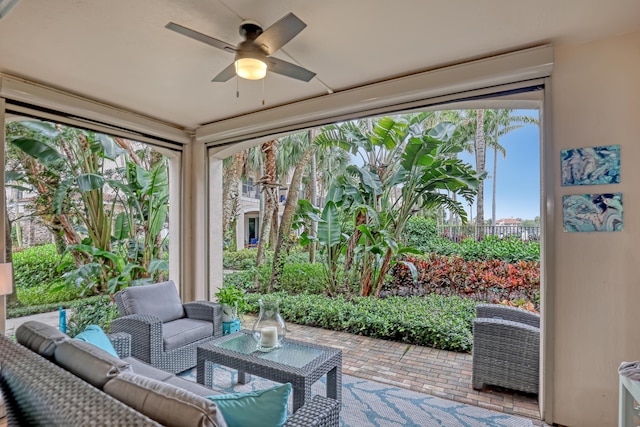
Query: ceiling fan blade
[288, 69]
[6, 6]
[200, 37]
[226, 74]
[280, 33]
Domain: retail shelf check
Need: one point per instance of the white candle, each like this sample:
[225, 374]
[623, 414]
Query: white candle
[269, 336]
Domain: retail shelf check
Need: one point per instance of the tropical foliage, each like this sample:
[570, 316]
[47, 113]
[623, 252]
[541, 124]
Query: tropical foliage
[487, 281]
[407, 167]
[104, 200]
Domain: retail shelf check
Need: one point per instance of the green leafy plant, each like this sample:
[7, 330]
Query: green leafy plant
[96, 311]
[232, 295]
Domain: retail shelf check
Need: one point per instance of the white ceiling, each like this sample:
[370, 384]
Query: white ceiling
[119, 52]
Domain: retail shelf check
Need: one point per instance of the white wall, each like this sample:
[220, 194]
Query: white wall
[596, 285]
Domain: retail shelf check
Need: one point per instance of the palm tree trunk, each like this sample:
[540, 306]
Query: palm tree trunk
[361, 219]
[384, 268]
[480, 151]
[284, 231]
[493, 189]
[231, 190]
[313, 197]
[269, 190]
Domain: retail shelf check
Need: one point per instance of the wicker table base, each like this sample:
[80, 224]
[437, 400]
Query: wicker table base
[298, 363]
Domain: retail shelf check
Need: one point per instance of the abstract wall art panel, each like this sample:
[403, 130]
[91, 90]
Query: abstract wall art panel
[589, 166]
[592, 212]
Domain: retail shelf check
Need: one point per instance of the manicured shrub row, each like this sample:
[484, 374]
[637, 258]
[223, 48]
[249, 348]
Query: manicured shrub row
[45, 308]
[246, 258]
[42, 294]
[296, 278]
[509, 249]
[35, 273]
[435, 320]
[489, 281]
[239, 260]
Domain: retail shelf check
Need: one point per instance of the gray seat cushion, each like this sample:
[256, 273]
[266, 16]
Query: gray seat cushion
[147, 370]
[160, 300]
[181, 332]
[193, 387]
[40, 337]
[165, 403]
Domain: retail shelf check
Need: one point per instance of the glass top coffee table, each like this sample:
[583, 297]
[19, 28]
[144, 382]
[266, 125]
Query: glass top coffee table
[298, 363]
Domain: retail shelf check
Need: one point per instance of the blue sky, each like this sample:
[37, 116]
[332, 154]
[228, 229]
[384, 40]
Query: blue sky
[518, 184]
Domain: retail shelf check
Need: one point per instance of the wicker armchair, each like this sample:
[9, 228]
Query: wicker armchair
[164, 332]
[506, 348]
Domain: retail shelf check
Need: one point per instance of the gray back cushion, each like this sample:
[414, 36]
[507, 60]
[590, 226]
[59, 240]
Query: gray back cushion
[92, 364]
[39, 337]
[165, 403]
[160, 300]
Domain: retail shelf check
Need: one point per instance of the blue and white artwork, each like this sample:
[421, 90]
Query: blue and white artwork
[589, 166]
[592, 212]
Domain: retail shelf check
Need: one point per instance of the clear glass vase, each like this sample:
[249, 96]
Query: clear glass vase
[270, 329]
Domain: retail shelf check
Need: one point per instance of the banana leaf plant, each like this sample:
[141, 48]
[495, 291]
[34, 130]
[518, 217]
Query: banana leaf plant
[110, 209]
[406, 166]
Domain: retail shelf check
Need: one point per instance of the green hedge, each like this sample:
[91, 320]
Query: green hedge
[510, 249]
[37, 266]
[245, 259]
[239, 260]
[36, 274]
[296, 278]
[434, 320]
[42, 294]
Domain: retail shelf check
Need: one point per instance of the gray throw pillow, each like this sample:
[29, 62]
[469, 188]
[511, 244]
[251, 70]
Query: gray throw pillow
[92, 364]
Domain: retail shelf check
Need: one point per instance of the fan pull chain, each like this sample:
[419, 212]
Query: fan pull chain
[237, 87]
[263, 90]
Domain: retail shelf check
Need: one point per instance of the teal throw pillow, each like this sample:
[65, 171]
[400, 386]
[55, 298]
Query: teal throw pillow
[259, 408]
[94, 334]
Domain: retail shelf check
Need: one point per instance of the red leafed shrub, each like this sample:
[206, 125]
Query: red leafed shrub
[493, 281]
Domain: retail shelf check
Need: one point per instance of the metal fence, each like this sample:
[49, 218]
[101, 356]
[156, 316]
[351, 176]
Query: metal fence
[457, 233]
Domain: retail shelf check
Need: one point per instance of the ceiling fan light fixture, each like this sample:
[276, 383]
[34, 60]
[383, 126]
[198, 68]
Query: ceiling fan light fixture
[251, 68]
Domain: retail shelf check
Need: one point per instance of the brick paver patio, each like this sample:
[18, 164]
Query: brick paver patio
[440, 373]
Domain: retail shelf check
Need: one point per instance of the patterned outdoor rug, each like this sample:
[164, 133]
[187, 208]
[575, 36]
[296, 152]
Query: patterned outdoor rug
[370, 404]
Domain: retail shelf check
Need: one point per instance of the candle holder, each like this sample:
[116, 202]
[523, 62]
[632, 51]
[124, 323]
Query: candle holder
[269, 329]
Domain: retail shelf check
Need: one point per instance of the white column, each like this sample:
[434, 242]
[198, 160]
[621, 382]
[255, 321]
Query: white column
[3, 300]
[215, 224]
[175, 216]
[195, 224]
[240, 227]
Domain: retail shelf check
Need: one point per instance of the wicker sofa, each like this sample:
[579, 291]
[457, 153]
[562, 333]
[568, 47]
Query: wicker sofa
[506, 348]
[49, 379]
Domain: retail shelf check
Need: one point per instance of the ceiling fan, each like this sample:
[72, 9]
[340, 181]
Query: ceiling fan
[253, 55]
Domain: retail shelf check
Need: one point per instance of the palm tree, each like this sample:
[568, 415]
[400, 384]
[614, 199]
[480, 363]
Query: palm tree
[500, 123]
[304, 142]
[480, 150]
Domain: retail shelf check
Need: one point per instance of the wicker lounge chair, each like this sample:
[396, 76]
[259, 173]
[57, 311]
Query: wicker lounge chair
[165, 332]
[506, 348]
